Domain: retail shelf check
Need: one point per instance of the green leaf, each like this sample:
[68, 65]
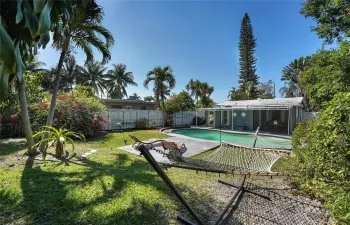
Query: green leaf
[7, 52]
[20, 64]
[31, 19]
[44, 39]
[19, 15]
[38, 5]
[336, 1]
[44, 19]
[4, 82]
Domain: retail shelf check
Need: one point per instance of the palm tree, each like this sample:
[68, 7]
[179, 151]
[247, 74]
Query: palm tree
[82, 30]
[69, 74]
[292, 75]
[117, 80]
[94, 75]
[206, 91]
[33, 64]
[164, 80]
[135, 96]
[194, 88]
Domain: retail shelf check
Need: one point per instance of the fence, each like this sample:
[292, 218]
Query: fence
[119, 119]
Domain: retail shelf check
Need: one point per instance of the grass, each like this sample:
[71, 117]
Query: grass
[111, 187]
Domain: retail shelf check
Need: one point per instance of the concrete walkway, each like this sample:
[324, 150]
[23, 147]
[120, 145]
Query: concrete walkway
[194, 146]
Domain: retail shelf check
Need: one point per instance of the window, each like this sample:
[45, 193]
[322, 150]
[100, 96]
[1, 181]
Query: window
[143, 107]
[128, 107]
[116, 107]
[224, 120]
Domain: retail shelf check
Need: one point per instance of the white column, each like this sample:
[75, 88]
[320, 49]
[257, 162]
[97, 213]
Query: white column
[232, 119]
[288, 119]
[196, 117]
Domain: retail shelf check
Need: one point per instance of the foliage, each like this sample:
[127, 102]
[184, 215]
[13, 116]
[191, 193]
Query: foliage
[194, 87]
[58, 138]
[292, 74]
[10, 105]
[237, 94]
[25, 26]
[332, 19]
[135, 96]
[266, 90]
[187, 101]
[75, 111]
[164, 80]
[144, 124]
[93, 74]
[117, 80]
[148, 98]
[247, 60]
[328, 75]
[322, 149]
[69, 74]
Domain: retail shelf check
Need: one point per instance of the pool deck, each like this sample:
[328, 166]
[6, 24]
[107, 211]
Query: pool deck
[194, 146]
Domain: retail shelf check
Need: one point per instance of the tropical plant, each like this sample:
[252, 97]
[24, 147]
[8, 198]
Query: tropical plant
[58, 138]
[34, 65]
[148, 98]
[117, 80]
[164, 80]
[206, 91]
[194, 87]
[93, 74]
[69, 74]
[292, 75]
[266, 90]
[135, 96]
[247, 60]
[236, 94]
[83, 30]
[25, 26]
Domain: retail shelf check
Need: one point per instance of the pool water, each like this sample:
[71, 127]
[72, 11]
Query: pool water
[237, 138]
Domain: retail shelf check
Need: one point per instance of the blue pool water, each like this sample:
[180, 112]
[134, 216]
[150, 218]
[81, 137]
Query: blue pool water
[237, 138]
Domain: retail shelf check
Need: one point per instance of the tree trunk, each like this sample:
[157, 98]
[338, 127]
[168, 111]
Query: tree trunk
[163, 106]
[54, 96]
[25, 119]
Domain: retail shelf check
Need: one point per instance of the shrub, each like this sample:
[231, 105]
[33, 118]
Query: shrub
[322, 147]
[200, 120]
[75, 111]
[144, 124]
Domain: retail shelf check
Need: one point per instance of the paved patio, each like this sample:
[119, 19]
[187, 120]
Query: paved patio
[194, 146]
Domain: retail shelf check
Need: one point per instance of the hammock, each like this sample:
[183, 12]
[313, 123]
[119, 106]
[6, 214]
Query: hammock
[231, 158]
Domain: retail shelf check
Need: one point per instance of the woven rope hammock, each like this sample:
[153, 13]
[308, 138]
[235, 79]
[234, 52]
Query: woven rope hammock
[231, 158]
[250, 204]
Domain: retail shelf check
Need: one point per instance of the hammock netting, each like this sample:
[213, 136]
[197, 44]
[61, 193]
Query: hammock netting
[230, 158]
[280, 209]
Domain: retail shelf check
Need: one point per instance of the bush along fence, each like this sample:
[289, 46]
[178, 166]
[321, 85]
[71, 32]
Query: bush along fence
[123, 119]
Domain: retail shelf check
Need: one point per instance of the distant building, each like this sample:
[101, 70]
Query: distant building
[128, 104]
[279, 115]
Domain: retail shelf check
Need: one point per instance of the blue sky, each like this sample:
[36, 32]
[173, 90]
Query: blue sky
[199, 39]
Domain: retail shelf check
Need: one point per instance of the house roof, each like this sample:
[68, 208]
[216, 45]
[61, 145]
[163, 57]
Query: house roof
[276, 103]
[127, 101]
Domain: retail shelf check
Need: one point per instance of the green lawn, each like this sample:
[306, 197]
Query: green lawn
[112, 187]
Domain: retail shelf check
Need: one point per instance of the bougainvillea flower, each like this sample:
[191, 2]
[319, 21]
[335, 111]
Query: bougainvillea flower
[80, 106]
[93, 123]
[44, 105]
[105, 121]
[61, 116]
[13, 116]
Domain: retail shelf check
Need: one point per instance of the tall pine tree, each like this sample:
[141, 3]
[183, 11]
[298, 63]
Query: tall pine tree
[248, 80]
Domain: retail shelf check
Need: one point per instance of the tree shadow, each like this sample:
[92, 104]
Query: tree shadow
[8, 148]
[48, 196]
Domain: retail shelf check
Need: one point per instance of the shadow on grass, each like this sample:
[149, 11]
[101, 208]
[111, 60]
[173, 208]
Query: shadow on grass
[47, 195]
[9, 148]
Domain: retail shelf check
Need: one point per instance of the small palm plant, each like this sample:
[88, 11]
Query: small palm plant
[57, 137]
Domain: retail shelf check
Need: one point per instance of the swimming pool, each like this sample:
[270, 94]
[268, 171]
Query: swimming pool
[237, 138]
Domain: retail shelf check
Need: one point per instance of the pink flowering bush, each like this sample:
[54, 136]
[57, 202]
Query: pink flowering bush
[75, 111]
